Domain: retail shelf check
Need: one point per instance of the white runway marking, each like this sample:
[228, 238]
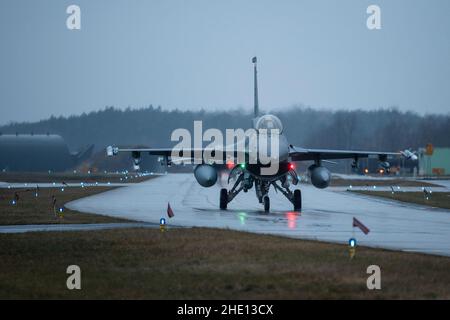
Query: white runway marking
[73, 227]
[327, 215]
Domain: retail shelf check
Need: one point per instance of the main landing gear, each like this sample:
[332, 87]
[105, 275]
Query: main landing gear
[262, 191]
[297, 201]
[223, 198]
[294, 197]
[266, 201]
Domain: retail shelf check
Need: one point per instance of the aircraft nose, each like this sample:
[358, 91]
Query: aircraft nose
[284, 154]
[279, 154]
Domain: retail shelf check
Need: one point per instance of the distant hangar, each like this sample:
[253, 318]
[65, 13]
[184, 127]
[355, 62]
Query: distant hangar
[434, 161]
[38, 152]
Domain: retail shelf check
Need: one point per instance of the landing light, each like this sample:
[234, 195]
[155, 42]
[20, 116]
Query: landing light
[162, 221]
[352, 242]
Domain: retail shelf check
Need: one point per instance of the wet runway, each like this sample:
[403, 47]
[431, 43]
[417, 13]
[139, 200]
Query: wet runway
[327, 215]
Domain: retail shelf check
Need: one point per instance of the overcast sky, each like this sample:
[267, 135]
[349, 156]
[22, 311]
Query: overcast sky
[197, 54]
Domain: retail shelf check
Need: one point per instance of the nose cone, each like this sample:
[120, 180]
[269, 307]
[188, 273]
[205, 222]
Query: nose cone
[273, 147]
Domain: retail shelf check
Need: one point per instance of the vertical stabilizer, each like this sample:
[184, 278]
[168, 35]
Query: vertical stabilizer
[256, 106]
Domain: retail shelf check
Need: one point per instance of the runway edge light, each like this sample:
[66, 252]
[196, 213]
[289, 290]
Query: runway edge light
[162, 224]
[352, 247]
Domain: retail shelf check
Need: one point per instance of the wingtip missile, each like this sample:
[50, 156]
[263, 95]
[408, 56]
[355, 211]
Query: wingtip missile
[111, 151]
[408, 154]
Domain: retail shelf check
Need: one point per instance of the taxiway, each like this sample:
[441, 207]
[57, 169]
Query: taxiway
[327, 214]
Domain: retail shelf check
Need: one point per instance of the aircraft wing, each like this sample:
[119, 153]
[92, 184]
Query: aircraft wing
[112, 151]
[303, 154]
[295, 153]
[186, 154]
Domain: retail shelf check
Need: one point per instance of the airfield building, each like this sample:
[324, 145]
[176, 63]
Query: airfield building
[38, 152]
[436, 163]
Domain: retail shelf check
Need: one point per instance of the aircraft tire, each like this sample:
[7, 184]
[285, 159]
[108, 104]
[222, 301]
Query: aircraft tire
[223, 199]
[297, 200]
[266, 201]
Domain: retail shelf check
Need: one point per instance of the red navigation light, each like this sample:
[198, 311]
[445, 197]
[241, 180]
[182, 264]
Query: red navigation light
[291, 166]
[230, 165]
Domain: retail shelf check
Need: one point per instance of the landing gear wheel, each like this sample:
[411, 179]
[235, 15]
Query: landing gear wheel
[297, 200]
[223, 198]
[266, 203]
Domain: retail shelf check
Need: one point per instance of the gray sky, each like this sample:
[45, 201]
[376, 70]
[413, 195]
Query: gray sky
[197, 53]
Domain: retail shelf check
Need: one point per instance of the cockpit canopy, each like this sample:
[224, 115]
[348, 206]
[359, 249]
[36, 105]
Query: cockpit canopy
[269, 121]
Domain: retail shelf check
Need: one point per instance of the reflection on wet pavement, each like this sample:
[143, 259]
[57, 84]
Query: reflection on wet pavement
[327, 215]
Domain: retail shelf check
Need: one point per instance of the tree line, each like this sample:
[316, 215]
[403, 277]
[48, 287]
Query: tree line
[381, 129]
